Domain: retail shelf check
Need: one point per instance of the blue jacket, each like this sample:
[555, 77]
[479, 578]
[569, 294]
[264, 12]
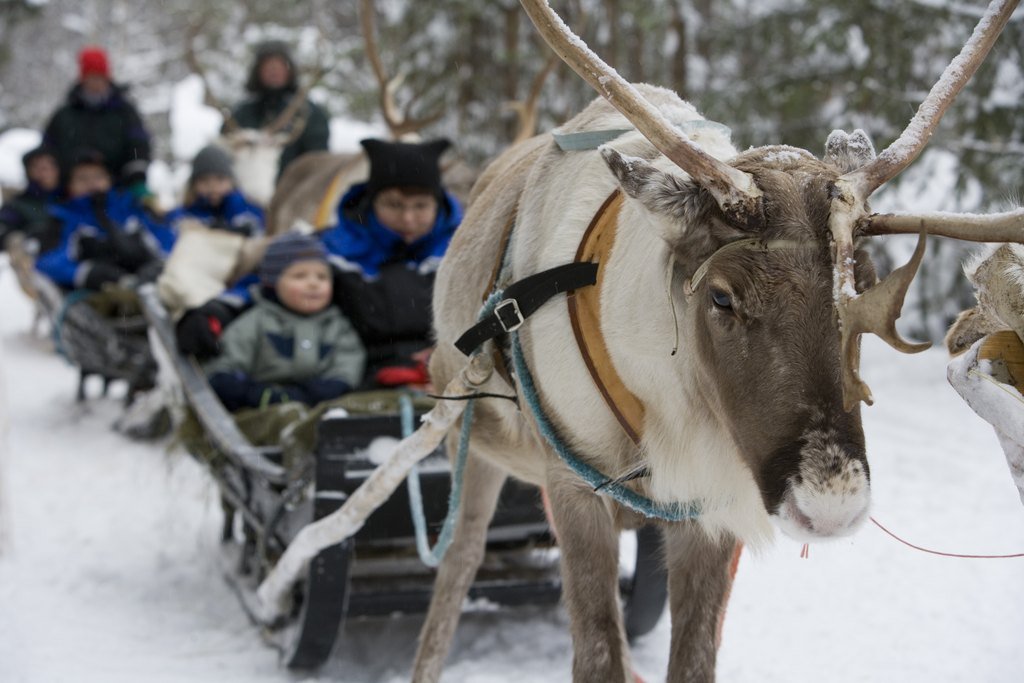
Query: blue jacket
[360, 240]
[235, 214]
[86, 217]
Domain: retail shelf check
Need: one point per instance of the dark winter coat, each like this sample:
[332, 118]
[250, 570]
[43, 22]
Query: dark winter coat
[104, 232]
[384, 285]
[234, 214]
[27, 213]
[113, 128]
[271, 354]
[266, 105]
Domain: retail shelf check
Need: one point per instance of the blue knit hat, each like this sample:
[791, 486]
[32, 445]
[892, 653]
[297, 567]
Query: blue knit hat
[286, 250]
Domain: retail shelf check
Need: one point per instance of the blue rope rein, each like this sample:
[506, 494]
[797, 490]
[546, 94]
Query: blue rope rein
[672, 512]
[432, 556]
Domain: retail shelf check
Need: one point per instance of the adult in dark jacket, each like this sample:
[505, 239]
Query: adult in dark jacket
[272, 84]
[107, 236]
[98, 116]
[27, 212]
[392, 232]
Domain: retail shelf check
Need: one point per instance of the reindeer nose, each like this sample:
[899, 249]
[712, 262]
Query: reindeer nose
[830, 495]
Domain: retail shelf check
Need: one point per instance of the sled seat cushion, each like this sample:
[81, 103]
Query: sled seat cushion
[292, 427]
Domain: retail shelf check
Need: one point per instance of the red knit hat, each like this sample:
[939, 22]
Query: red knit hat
[92, 61]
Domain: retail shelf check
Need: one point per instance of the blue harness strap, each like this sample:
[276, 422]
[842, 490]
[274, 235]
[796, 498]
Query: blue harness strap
[596, 479]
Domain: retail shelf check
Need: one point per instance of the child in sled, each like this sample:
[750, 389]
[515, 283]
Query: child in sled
[293, 344]
[107, 236]
[219, 236]
[109, 244]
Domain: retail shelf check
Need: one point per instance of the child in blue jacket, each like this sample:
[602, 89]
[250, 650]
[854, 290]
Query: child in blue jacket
[213, 198]
[107, 236]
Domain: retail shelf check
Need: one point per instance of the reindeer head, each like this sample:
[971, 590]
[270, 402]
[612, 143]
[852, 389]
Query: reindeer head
[776, 291]
[998, 277]
[255, 155]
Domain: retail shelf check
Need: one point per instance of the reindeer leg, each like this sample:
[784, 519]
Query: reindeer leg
[481, 486]
[589, 542]
[699, 580]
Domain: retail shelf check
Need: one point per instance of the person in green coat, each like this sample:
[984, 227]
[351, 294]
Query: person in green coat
[293, 344]
[272, 83]
[98, 116]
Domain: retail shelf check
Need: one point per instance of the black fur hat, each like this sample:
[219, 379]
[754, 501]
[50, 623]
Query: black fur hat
[404, 164]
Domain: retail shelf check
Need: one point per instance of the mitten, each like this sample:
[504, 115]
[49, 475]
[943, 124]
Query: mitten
[198, 332]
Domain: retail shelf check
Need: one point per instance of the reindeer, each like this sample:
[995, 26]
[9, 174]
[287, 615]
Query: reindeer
[998, 276]
[751, 265]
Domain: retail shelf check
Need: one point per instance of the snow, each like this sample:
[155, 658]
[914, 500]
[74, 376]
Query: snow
[13, 145]
[109, 570]
[193, 124]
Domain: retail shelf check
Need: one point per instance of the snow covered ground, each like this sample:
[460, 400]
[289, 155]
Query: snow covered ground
[108, 566]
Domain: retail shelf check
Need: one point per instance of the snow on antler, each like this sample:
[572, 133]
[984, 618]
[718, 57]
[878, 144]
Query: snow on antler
[735, 191]
[849, 208]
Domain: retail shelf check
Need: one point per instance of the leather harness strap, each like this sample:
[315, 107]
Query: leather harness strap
[523, 298]
[584, 311]
[329, 202]
[585, 316]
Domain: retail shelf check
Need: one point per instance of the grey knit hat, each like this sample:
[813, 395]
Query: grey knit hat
[285, 250]
[212, 160]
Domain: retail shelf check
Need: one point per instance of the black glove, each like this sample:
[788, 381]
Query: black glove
[91, 248]
[198, 332]
[100, 273]
[131, 252]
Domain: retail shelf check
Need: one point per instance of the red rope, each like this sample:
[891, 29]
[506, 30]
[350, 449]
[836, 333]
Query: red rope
[937, 552]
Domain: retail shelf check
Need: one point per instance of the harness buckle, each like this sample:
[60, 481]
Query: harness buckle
[509, 316]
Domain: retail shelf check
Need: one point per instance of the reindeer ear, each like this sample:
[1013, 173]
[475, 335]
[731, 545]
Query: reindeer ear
[664, 194]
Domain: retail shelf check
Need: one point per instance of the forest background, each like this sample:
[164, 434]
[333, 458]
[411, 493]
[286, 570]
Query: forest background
[775, 72]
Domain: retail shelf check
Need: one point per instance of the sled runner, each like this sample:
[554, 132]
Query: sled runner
[269, 495]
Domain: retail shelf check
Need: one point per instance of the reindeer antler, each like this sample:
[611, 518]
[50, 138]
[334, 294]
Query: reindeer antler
[526, 110]
[735, 191]
[1007, 226]
[399, 123]
[877, 309]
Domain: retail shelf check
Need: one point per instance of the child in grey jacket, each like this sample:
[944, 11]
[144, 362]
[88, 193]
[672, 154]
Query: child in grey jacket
[293, 344]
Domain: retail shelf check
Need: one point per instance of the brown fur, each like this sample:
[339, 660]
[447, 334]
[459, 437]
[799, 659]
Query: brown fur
[751, 409]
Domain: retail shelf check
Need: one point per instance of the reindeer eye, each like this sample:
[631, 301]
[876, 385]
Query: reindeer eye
[721, 299]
